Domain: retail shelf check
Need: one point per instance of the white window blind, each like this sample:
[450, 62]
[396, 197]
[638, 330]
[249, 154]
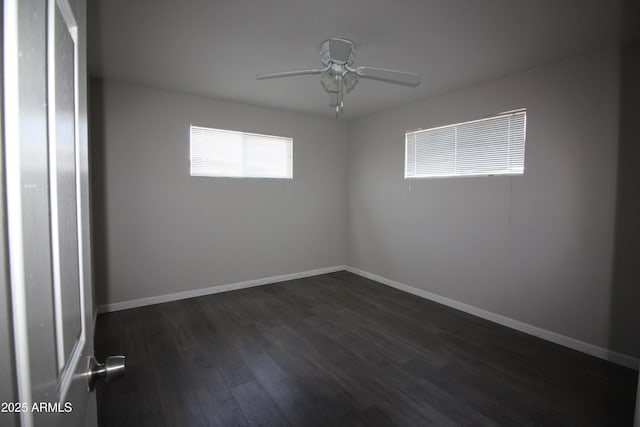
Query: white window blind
[225, 153]
[491, 146]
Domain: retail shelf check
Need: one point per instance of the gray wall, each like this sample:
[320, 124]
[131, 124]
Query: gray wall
[625, 302]
[159, 230]
[537, 248]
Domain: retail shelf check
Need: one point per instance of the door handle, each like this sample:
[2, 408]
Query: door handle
[112, 369]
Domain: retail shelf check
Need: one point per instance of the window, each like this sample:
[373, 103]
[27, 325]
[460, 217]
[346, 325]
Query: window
[226, 153]
[491, 146]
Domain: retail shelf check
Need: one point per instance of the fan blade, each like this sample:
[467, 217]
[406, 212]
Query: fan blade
[400, 77]
[287, 74]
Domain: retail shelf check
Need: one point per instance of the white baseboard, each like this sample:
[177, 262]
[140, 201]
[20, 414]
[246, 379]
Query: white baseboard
[584, 347]
[214, 289]
[593, 350]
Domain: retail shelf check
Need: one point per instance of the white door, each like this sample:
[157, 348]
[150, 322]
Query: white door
[47, 207]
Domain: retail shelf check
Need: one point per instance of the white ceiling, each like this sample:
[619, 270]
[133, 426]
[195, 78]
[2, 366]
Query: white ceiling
[215, 48]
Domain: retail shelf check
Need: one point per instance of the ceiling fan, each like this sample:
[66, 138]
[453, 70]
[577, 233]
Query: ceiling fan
[338, 75]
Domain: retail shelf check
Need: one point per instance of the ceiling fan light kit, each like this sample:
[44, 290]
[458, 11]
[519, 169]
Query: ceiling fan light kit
[338, 76]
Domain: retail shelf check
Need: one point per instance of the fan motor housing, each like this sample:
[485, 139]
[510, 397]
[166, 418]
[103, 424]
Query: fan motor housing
[338, 51]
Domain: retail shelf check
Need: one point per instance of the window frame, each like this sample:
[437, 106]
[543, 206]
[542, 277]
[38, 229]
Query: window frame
[489, 117]
[191, 173]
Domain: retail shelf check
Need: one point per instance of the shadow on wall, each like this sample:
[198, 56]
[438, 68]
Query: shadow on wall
[625, 299]
[97, 157]
[98, 192]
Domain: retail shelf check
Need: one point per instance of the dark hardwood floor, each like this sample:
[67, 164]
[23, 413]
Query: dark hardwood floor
[342, 350]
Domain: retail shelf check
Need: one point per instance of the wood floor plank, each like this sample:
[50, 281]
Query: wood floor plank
[339, 349]
[289, 398]
[215, 399]
[266, 413]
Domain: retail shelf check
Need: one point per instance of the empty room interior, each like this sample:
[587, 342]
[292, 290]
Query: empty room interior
[388, 299]
[347, 213]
